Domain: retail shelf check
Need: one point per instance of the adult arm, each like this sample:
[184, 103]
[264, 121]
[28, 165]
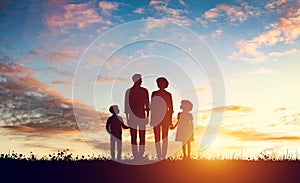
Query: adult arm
[108, 126]
[126, 105]
[122, 123]
[147, 108]
[170, 108]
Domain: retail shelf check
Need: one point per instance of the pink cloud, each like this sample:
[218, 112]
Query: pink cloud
[274, 4]
[217, 33]
[233, 13]
[72, 16]
[65, 54]
[105, 79]
[286, 30]
[6, 69]
[168, 14]
[106, 7]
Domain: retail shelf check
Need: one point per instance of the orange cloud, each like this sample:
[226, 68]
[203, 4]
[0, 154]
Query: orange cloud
[20, 80]
[236, 108]
[253, 135]
[14, 69]
[20, 128]
[37, 86]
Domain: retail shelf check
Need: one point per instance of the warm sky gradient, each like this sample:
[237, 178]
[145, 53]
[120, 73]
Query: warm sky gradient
[256, 44]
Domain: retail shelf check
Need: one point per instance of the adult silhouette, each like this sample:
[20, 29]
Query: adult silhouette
[161, 116]
[137, 114]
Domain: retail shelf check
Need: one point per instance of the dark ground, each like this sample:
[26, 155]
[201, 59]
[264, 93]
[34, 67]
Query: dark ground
[164, 171]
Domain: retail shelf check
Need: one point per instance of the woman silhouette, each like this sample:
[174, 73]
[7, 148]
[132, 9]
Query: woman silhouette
[161, 116]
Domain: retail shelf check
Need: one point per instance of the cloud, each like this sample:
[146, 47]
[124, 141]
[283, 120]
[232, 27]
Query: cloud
[275, 4]
[65, 54]
[25, 100]
[153, 23]
[168, 14]
[105, 79]
[261, 71]
[243, 77]
[230, 108]
[20, 128]
[58, 70]
[217, 33]
[233, 108]
[182, 2]
[286, 30]
[106, 7]
[138, 10]
[232, 13]
[117, 61]
[13, 69]
[67, 16]
[251, 134]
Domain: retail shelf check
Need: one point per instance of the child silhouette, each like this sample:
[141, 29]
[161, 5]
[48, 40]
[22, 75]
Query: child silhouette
[185, 128]
[114, 127]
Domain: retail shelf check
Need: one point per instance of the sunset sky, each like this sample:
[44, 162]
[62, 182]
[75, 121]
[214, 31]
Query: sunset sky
[57, 54]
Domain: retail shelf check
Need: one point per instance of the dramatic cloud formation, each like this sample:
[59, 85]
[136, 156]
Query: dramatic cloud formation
[26, 100]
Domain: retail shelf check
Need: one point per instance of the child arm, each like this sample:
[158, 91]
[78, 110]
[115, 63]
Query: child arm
[174, 126]
[123, 124]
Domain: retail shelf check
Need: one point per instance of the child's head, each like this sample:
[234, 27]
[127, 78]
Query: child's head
[186, 105]
[114, 109]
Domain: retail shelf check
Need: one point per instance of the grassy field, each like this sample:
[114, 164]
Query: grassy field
[14, 170]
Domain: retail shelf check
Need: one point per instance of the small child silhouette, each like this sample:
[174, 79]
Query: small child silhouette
[114, 127]
[185, 128]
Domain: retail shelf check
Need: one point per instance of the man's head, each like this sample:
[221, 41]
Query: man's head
[137, 79]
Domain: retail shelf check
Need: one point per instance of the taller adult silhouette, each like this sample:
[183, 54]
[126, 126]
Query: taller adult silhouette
[161, 116]
[137, 114]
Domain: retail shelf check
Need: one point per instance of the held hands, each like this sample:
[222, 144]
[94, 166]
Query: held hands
[172, 127]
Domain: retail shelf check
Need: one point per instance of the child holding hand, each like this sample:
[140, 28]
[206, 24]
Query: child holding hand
[114, 127]
[185, 128]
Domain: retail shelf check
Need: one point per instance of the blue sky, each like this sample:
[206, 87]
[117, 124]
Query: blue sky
[255, 43]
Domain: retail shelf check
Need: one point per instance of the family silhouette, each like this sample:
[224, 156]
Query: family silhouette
[137, 109]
